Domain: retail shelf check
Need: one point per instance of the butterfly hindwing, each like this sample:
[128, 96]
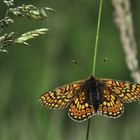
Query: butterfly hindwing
[111, 106]
[80, 108]
[61, 96]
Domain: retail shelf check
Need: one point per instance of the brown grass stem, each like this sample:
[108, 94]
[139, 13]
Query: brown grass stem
[124, 22]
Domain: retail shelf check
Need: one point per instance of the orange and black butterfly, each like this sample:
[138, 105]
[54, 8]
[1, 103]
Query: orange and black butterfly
[93, 96]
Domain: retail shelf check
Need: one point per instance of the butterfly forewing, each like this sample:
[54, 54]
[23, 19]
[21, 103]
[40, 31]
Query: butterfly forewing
[80, 108]
[61, 96]
[126, 91]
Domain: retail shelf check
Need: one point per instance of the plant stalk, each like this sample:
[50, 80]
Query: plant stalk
[95, 54]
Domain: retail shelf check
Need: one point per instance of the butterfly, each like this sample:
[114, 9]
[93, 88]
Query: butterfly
[93, 96]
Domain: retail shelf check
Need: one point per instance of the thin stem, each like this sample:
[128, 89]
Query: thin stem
[88, 127]
[7, 11]
[97, 37]
[95, 54]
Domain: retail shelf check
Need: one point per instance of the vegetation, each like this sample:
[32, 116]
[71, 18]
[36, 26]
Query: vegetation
[26, 72]
[29, 11]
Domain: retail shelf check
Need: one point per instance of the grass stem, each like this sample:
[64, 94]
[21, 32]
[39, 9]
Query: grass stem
[97, 37]
[95, 54]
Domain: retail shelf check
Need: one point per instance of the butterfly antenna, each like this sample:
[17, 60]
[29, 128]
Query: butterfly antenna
[75, 62]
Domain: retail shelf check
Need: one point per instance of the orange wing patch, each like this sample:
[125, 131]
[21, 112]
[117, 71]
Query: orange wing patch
[126, 91]
[61, 96]
[111, 107]
[80, 109]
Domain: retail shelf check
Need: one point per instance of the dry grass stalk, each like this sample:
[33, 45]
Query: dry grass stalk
[124, 22]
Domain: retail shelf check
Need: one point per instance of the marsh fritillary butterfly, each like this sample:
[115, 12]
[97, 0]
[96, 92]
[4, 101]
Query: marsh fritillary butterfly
[92, 96]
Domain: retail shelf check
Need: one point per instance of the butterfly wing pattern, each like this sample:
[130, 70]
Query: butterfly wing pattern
[126, 91]
[116, 93]
[92, 96]
[111, 106]
[61, 96]
[81, 109]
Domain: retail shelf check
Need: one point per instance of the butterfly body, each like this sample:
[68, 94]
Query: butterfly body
[93, 96]
[91, 90]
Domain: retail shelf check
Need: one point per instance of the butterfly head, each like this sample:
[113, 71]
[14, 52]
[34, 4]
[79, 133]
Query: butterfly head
[91, 78]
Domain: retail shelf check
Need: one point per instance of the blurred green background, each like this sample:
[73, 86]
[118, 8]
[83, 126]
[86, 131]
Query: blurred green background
[26, 72]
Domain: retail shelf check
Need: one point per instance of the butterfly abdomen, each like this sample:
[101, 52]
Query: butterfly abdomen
[93, 93]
